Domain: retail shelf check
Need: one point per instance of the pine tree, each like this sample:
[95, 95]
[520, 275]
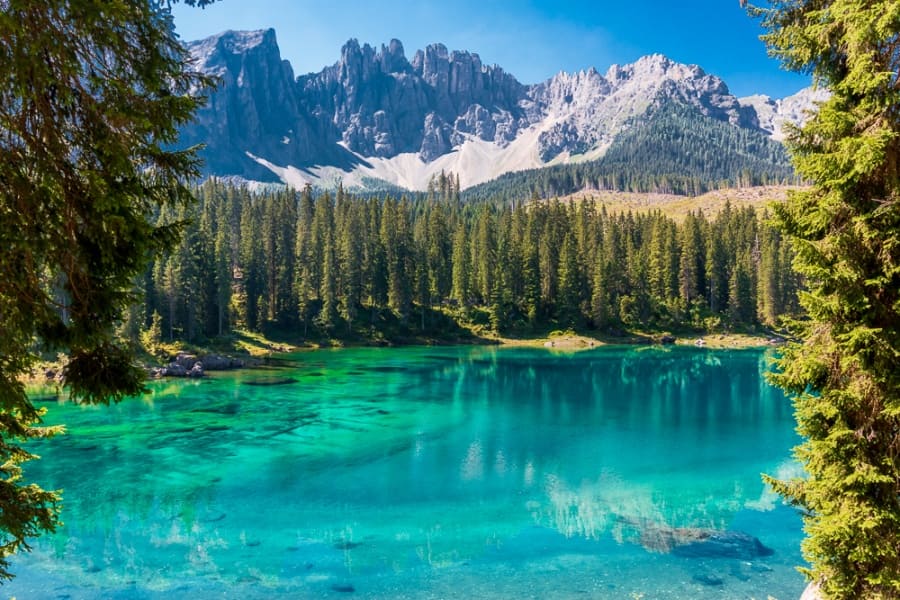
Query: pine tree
[438, 255]
[224, 267]
[741, 305]
[304, 290]
[92, 97]
[375, 260]
[716, 270]
[531, 273]
[397, 240]
[691, 265]
[351, 251]
[845, 230]
[460, 266]
[484, 256]
[327, 316]
[252, 281]
[569, 298]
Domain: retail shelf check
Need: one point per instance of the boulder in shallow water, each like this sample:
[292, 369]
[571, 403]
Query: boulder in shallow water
[708, 579]
[196, 371]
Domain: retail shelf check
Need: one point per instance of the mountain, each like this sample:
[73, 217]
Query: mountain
[376, 118]
[774, 113]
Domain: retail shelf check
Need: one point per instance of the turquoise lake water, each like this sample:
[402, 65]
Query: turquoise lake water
[428, 473]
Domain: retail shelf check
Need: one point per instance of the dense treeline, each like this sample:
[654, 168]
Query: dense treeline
[676, 150]
[336, 265]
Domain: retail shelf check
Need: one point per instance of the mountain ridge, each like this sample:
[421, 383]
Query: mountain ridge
[376, 115]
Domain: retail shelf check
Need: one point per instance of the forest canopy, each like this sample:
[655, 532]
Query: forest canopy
[335, 266]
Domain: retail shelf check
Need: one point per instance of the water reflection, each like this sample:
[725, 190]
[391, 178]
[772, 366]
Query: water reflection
[432, 458]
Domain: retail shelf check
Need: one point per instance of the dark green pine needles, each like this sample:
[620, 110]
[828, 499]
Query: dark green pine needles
[845, 373]
[93, 92]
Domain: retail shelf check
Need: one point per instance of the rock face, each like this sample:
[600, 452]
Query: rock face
[379, 113]
[589, 109]
[380, 105]
[255, 110]
[774, 113]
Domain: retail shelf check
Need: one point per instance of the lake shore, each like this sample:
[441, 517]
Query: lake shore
[254, 349]
[717, 341]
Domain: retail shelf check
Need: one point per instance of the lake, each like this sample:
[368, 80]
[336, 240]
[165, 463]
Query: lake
[469, 472]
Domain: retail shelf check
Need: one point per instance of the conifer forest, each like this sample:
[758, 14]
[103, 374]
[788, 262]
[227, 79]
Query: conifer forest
[334, 265]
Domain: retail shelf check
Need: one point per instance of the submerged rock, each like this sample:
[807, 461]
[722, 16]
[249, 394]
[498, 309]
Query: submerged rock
[263, 381]
[722, 544]
[216, 519]
[346, 588]
[387, 369]
[347, 545]
[698, 542]
[708, 579]
[232, 408]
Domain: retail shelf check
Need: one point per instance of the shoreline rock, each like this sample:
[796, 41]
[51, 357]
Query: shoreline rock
[191, 366]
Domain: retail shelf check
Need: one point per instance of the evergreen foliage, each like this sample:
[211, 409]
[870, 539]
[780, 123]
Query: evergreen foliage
[93, 93]
[844, 374]
[350, 263]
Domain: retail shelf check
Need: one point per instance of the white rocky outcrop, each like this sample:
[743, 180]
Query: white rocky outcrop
[773, 113]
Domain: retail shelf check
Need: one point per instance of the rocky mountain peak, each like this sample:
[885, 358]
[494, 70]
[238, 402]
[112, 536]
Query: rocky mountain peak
[373, 104]
[393, 58]
[773, 113]
[215, 49]
[653, 69]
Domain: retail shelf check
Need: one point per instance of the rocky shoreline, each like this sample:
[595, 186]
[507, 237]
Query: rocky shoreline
[196, 365]
[193, 366]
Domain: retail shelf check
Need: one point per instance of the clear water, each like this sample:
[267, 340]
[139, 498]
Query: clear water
[425, 473]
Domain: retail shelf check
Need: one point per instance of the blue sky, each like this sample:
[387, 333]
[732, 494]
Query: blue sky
[531, 39]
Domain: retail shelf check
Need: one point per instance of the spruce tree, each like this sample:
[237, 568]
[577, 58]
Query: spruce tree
[224, 268]
[303, 286]
[460, 266]
[567, 306]
[92, 97]
[845, 229]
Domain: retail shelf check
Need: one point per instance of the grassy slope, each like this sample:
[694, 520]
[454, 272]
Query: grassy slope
[677, 207]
